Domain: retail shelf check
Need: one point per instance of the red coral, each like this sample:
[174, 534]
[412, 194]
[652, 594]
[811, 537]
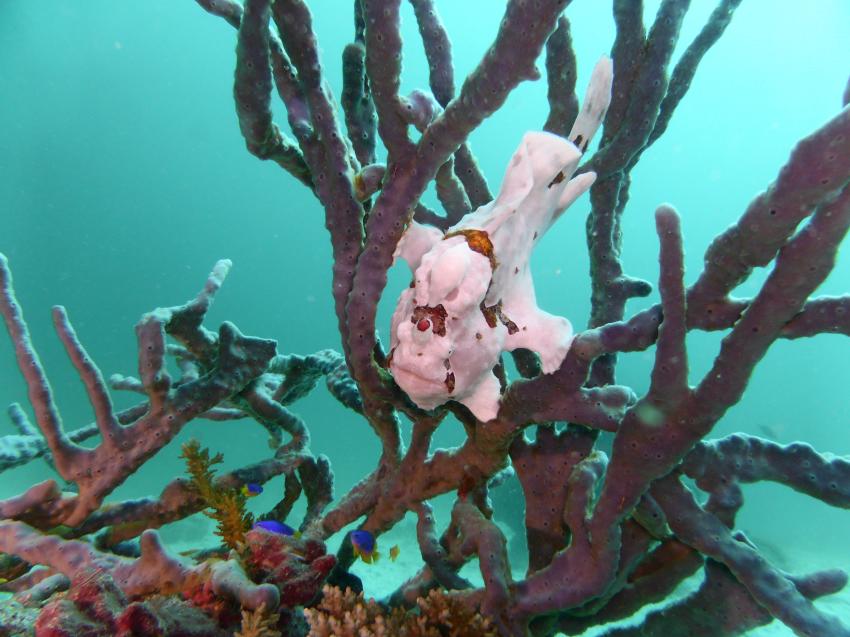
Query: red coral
[95, 607]
[223, 610]
[298, 567]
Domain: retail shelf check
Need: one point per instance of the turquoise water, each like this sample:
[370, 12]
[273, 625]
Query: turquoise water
[123, 178]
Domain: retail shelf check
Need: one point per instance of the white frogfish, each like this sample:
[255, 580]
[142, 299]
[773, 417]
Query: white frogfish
[472, 295]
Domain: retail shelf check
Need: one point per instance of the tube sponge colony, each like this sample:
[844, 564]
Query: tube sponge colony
[608, 534]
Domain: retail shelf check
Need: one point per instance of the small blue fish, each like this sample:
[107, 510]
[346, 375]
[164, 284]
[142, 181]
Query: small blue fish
[281, 528]
[251, 489]
[365, 546]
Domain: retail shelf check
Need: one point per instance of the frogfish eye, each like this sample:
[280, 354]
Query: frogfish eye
[423, 324]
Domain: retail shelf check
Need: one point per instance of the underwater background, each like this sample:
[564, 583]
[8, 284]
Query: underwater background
[123, 178]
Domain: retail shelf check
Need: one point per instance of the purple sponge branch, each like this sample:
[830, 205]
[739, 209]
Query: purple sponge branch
[820, 315]
[665, 433]
[40, 393]
[642, 103]
[544, 474]
[37, 505]
[438, 52]
[753, 241]
[421, 110]
[644, 426]
[636, 96]
[669, 380]
[722, 607]
[646, 422]
[670, 371]
[768, 586]
[574, 576]
[656, 577]
[95, 471]
[230, 10]
[328, 155]
[745, 459]
[443, 569]
[646, 92]
[480, 536]
[561, 75]
[357, 104]
[468, 171]
[816, 169]
[686, 68]
[823, 315]
[383, 62]
[812, 251]
[581, 489]
[105, 417]
[252, 94]
[16, 450]
[155, 571]
[442, 559]
[627, 54]
[331, 162]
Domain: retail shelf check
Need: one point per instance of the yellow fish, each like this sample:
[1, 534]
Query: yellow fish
[394, 551]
